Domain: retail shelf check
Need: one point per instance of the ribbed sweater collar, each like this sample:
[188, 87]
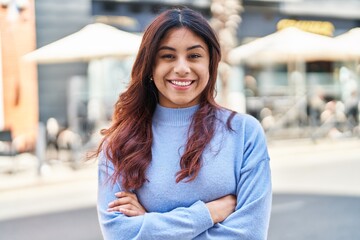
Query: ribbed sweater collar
[174, 116]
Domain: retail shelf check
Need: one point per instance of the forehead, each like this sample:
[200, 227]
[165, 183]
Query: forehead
[181, 36]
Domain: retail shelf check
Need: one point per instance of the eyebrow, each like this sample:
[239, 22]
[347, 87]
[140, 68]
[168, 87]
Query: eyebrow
[173, 49]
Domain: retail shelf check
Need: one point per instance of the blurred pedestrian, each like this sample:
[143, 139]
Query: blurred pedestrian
[174, 164]
[316, 107]
[352, 110]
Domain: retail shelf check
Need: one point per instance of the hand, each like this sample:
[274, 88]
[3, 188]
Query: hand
[221, 208]
[127, 203]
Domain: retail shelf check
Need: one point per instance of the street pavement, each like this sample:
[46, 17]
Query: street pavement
[316, 190]
[316, 195]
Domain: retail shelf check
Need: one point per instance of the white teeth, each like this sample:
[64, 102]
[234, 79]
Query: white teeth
[181, 83]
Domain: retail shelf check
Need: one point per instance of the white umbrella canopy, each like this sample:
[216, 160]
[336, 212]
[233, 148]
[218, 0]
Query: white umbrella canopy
[94, 41]
[287, 45]
[349, 43]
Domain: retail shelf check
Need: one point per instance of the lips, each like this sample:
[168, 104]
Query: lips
[182, 83]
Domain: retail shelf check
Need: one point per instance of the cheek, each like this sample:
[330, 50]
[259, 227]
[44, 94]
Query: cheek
[204, 70]
[159, 71]
[206, 79]
[206, 75]
[159, 85]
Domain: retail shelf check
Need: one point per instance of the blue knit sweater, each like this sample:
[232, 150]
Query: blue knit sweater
[235, 162]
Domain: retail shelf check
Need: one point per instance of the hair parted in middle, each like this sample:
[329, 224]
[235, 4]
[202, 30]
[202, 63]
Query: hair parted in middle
[127, 142]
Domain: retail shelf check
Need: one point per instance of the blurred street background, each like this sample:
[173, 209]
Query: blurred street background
[292, 64]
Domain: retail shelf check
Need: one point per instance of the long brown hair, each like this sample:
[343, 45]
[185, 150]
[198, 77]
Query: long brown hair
[127, 142]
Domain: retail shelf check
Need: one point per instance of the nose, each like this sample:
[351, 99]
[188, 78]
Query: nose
[182, 67]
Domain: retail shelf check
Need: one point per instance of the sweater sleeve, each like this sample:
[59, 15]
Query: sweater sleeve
[251, 218]
[180, 223]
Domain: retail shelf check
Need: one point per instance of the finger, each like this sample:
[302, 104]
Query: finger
[127, 210]
[130, 212]
[126, 198]
[122, 201]
[118, 208]
[126, 194]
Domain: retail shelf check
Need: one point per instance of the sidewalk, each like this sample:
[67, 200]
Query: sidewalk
[326, 167]
[26, 173]
[59, 188]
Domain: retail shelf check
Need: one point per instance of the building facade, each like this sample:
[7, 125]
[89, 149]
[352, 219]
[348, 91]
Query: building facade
[18, 78]
[55, 20]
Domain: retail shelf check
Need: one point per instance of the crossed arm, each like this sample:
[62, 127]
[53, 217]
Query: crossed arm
[128, 204]
[247, 216]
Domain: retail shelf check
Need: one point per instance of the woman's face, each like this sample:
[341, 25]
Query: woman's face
[181, 70]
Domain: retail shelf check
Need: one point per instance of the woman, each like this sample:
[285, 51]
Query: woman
[174, 164]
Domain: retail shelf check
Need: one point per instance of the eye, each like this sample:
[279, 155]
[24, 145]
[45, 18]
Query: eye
[195, 55]
[167, 56]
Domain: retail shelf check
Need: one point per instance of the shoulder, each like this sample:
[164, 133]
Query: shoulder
[103, 160]
[238, 121]
[243, 127]
[248, 135]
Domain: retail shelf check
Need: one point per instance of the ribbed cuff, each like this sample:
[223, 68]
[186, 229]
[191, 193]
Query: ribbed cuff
[202, 218]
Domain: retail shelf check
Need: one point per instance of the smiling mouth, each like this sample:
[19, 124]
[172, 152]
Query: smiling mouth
[181, 83]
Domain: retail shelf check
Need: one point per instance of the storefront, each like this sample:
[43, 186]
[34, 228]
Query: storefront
[286, 92]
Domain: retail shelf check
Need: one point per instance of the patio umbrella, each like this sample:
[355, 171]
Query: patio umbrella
[287, 45]
[349, 43]
[94, 41]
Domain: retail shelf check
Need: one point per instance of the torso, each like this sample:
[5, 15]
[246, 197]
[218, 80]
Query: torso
[217, 177]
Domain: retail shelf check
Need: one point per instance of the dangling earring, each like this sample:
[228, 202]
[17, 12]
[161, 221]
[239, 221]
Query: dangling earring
[151, 79]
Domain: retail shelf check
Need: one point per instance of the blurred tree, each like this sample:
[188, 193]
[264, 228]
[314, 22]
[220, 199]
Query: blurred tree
[225, 20]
